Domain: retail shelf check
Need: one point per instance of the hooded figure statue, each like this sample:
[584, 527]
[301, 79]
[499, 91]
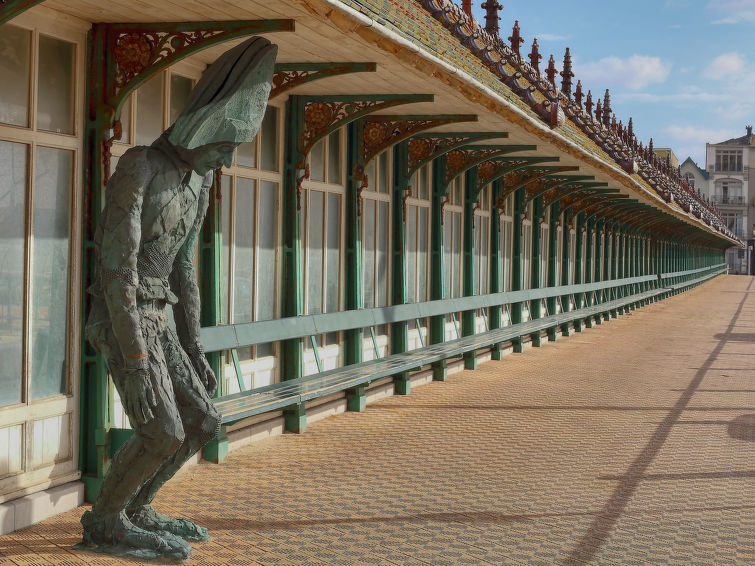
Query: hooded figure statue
[154, 208]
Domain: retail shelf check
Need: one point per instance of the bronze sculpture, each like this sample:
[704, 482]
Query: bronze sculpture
[155, 204]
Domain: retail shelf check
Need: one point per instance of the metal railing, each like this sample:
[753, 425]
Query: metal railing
[727, 199]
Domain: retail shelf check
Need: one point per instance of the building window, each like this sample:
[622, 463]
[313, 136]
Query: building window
[728, 160]
[690, 178]
[452, 238]
[41, 95]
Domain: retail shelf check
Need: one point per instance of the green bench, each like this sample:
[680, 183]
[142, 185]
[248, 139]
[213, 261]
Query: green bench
[294, 393]
[708, 273]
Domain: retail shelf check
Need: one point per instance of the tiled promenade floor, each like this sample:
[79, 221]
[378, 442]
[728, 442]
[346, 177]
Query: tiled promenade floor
[632, 443]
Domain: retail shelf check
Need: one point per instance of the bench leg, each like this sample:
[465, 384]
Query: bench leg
[552, 336]
[496, 352]
[296, 418]
[356, 399]
[402, 384]
[578, 325]
[517, 345]
[470, 360]
[440, 371]
[216, 450]
[535, 340]
[565, 330]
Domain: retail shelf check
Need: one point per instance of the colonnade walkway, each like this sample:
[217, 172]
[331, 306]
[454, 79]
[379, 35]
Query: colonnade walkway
[630, 443]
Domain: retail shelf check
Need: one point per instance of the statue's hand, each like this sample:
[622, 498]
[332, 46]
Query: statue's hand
[138, 395]
[203, 369]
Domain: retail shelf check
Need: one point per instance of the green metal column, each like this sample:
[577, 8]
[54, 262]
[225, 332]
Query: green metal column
[517, 275]
[399, 291]
[496, 284]
[437, 323]
[552, 262]
[578, 262]
[535, 279]
[468, 253]
[565, 268]
[607, 241]
[615, 263]
[292, 292]
[353, 339]
[589, 264]
[211, 295]
[599, 228]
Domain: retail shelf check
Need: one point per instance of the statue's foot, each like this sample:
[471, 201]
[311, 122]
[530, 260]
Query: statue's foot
[115, 534]
[148, 519]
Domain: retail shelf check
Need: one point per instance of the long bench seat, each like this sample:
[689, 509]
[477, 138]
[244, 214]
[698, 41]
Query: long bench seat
[295, 392]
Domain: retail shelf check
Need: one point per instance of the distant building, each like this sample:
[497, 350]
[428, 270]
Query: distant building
[728, 167]
[667, 152]
[697, 177]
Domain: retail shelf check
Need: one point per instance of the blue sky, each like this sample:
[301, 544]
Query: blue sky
[683, 69]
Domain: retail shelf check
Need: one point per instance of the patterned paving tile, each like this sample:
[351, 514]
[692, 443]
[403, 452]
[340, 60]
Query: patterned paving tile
[625, 444]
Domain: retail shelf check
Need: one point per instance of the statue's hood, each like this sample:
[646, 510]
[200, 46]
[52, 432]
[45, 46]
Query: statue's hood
[228, 103]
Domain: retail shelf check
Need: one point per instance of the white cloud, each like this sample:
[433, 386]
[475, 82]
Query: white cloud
[691, 140]
[733, 11]
[725, 66]
[634, 73]
[686, 96]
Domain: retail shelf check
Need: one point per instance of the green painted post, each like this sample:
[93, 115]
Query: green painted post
[292, 292]
[552, 262]
[353, 339]
[437, 323]
[565, 268]
[535, 279]
[599, 234]
[588, 264]
[578, 263]
[517, 275]
[211, 290]
[615, 263]
[468, 253]
[496, 284]
[607, 239]
[399, 291]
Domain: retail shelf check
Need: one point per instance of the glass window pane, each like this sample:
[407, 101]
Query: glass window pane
[149, 110]
[246, 154]
[49, 303]
[55, 85]
[369, 171]
[333, 252]
[180, 88]
[423, 183]
[243, 250]
[382, 255]
[225, 260]
[266, 251]
[125, 119]
[15, 47]
[13, 162]
[269, 148]
[411, 253]
[368, 257]
[334, 158]
[382, 165]
[317, 162]
[423, 253]
[315, 252]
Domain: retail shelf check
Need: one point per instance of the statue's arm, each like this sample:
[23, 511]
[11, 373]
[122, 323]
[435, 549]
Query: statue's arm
[183, 279]
[121, 237]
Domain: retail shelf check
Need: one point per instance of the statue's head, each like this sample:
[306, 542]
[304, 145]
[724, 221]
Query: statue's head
[227, 105]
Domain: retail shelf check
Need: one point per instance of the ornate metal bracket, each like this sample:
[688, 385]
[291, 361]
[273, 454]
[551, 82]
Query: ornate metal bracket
[494, 169]
[299, 181]
[9, 9]
[291, 75]
[325, 114]
[424, 148]
[443, 203]
[460, 160]
[545, 184]
[520, 178]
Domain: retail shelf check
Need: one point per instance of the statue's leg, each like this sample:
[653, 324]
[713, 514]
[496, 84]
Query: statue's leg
[201, 423]
[106, 526]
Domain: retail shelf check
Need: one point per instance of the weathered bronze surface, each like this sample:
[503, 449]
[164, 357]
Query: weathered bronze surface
[154, 208]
